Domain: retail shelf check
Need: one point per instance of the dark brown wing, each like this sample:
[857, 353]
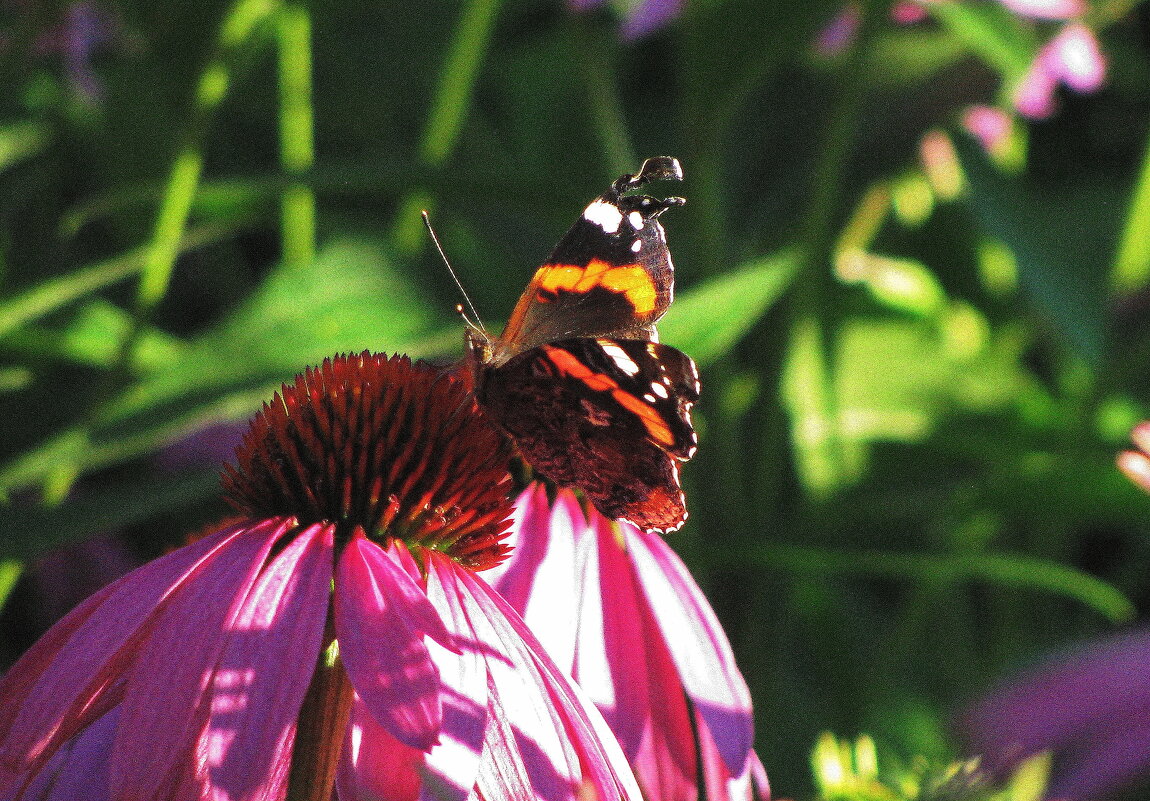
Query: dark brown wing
[610, 275]
[610, 417]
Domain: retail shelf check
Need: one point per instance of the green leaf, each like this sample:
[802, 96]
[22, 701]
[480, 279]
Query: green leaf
[709, 319]
[991, 32]
[20, 141]
[1054, 249]
[55, 293]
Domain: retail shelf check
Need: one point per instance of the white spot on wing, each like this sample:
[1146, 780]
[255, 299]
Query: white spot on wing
[620, 357]
[659, 389]
[636, 220]
[636, 246]
[606, 215]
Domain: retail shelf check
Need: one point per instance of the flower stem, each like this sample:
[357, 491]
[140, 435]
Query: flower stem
[160, 253]
[822, 454]
[297, 144]
[603, 103]
[448, 113]
[321, 725]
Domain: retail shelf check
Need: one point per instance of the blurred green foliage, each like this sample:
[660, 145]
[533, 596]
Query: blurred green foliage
[920, 351]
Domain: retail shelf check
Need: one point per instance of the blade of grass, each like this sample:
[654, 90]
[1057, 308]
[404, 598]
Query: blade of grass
[448, 113]
[236, 30]
[1131, 269]
[50, 295]
[1015, 572]
[296, 121]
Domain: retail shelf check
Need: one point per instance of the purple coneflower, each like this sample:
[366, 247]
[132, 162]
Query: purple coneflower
[336, 634]
[617, 609]
[1088, 707]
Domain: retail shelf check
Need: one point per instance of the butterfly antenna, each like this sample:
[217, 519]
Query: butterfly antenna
[478, 324]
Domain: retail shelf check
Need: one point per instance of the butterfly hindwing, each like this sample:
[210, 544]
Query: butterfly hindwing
[611, 417]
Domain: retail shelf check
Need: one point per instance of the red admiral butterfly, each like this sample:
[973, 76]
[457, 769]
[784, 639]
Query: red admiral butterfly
[579, 380]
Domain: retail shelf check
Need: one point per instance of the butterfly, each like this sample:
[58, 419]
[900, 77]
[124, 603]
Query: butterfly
[579, 380]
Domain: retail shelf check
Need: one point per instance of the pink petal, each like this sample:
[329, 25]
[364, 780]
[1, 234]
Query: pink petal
[1140, 435]
[697, 645]
[1136, 466]
[374, 765]
[66, 682]
[650, 715]
[572, 752]
[381, 616]
[452, 767]
[174, 666]
[749, 784]
[1074, 56]
[515, 577]
[79, 768]
[1046, 9]
[991, 126]
[1034, 95]
[542, 579]
[264, 672]
[908, 12]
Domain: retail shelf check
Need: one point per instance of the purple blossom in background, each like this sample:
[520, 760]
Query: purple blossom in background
[83, 30]
[1071, 58]
[1090, 707]
[644, 17]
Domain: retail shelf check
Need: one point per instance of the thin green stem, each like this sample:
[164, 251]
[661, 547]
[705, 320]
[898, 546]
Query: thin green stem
[297, 141]
[457, 81]
[813, 404]
[603, 103]
[172, 216]
[448, 113]
[1131, 268]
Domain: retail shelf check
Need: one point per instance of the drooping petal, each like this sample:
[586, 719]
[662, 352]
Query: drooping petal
[79, 768]
[174, 666]
[67, 682]
[264, 672]
[560, 739]
[1034, 95]
[381, 616]
[698, 646]
[452, 767]
[374, 766]
[1075, 57]
[650, 714]
[541, 582]
[1046, 9]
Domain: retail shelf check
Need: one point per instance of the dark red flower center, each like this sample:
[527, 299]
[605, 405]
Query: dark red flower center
[398, 449]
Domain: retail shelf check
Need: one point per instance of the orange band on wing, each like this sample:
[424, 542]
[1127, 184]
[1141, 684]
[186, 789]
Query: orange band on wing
[629, 280]
[570, 366]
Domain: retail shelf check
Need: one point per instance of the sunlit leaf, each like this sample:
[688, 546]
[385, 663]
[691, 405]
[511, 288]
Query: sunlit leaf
[709, 319]
[1065, 283]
